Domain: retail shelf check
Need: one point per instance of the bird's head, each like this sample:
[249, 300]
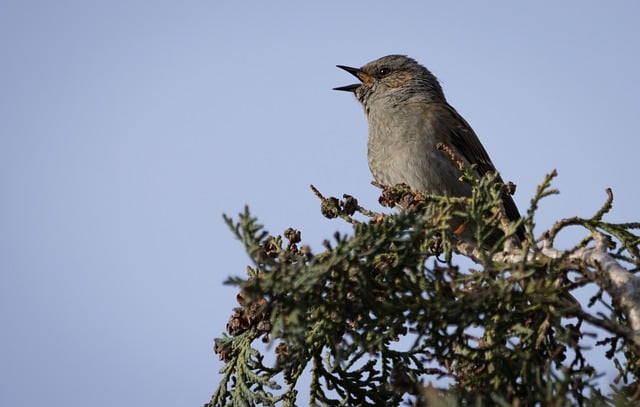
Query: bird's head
[396, 77]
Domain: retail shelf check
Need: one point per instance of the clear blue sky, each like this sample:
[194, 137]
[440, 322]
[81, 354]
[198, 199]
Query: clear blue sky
[128, 127]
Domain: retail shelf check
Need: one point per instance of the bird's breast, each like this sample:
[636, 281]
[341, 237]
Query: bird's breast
[402, 148]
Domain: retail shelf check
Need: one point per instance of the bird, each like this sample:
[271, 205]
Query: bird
[408, 118]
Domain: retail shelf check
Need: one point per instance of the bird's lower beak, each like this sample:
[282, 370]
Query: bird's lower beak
[363, 77]
[349, 88]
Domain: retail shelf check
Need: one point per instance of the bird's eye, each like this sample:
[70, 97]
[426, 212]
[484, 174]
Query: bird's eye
[384, 71]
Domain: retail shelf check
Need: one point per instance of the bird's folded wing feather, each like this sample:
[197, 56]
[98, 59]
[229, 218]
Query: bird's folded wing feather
[464, 141]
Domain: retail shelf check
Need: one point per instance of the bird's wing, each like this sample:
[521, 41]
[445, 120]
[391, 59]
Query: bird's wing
[464, 139]
[465, 142]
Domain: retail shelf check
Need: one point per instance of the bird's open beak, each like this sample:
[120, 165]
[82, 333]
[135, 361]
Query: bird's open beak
[363, 77]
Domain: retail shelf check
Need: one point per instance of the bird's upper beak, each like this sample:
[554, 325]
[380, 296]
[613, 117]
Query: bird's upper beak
[363, 77]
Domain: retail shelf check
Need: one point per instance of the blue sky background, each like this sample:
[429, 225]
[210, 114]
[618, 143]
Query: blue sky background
[128, 127]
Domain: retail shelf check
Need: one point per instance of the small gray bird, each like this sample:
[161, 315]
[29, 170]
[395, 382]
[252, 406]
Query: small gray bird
[408, 117]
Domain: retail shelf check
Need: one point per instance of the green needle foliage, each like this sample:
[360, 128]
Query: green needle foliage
[386, 315]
